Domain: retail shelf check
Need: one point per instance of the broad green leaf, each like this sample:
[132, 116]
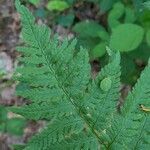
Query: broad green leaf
[99, 50]
[126, 37]
[57, 5]
[89, 28]
[148, 37]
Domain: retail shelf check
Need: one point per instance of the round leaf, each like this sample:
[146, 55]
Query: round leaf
[126, 37]
[3, 114]
[115, 14]
[105, 84]
[57, 5]
[99, 50]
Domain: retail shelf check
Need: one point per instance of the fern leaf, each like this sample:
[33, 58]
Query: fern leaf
[80, 141]
[44, 110]
[80, 111]
[130, 129]
[104, 102]
[48, 61]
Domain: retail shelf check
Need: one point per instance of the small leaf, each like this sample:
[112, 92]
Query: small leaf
[99, 50]
[148, 37]
[115, 14]
[57, 5]
[126, 37]
[105, 84]
[89, 28]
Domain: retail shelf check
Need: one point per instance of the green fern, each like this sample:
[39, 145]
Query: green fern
[80, 111]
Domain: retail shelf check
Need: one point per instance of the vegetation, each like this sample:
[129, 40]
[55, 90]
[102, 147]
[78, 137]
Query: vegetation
[101, 23]
[80, 111]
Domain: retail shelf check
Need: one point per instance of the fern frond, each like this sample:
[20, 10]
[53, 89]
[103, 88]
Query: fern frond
[67, 73]
[44, 110]
[130, 129]
[103, 103]
[80, 111]
[80, 141]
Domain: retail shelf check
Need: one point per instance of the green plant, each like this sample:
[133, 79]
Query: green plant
[80, 111]
[126, 25]
[58, 5]
[121, 25]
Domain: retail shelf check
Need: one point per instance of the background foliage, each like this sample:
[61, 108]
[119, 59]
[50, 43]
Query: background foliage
[101, 23]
